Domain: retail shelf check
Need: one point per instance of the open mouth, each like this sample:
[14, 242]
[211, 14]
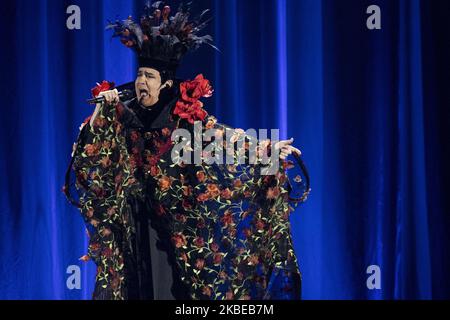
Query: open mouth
[143, 93]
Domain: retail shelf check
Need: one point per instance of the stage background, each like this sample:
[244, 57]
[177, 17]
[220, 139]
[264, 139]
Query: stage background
[369, 110]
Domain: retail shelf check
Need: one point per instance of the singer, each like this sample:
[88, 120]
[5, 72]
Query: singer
[161, 230]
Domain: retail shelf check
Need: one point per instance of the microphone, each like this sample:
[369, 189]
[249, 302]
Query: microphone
[123, 95]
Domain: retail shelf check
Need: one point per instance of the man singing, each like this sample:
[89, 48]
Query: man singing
[161, 228]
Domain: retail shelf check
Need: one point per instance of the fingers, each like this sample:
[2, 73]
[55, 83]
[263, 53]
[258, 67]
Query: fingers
[290, 141]
[285, 152]
[296, 151]
[291, 150]
[286, 148]
[116, 95]
[284, 143]
[111, 96]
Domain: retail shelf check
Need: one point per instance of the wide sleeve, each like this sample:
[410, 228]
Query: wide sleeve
[101, 175]
[231, 229]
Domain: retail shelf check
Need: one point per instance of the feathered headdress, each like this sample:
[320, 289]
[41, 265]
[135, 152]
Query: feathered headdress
[159, 39]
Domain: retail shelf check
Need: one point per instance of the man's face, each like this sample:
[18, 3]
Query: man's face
[148, 86]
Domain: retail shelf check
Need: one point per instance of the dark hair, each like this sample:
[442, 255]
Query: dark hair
[166, 75]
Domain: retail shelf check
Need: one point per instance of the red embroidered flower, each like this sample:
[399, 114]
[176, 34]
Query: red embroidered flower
[287, 164]
[199, 242]
[227, 218]
[213, 190]
[99, 192]
[260, 225]
[128, 43]
[164, 147]
[107, 252]
[226, 194]
[154, 171]
[92, 149]
[189, 107]
[95, 246]
[217, 258]
[101, 87]
[200, 264]
[152, 160]
[203, 197]
[181, 217]
[159, 210]
[166, 132]
[201, 176]
[273, 193]
[201, 223]
[186, 204]
[237, 183]
[164, 183]
[134, 136]
[115, 283]
[187, 190]
[90, 213]
[247, 232]
[214, 247]
[106, 162]
[85, 258]
[99, 122]
[179, 240]
[207, 291]
[253, 260]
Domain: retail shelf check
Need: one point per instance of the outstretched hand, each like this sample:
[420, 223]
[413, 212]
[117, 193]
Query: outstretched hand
[285, 148]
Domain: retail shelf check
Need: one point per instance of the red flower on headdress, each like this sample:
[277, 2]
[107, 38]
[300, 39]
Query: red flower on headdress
[101, 87]
[189, 107]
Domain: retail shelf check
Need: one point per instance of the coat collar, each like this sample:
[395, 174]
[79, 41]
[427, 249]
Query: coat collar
[144, 119]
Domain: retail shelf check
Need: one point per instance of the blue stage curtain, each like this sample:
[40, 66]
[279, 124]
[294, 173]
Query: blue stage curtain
[368, 108]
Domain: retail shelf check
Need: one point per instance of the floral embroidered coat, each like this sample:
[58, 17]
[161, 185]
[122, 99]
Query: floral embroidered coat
[226, 227]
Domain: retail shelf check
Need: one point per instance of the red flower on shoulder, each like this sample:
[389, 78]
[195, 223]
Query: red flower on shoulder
[191, 91]
[190, 111]
[189, 106]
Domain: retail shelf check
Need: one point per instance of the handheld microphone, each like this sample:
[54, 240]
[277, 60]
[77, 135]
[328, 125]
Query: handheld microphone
[123, 95]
